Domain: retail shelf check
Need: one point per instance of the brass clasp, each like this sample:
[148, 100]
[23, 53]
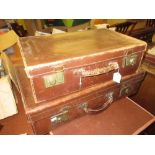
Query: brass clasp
[54, 79]
[125, 89]
[60, 117]
[130, 60]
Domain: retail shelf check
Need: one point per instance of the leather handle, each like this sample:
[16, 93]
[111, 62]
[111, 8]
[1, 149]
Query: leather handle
[99, 109]
[98, 71]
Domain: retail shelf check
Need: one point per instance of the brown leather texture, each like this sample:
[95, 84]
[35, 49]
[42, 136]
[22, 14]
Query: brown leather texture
[123, 117]
[47, 49]
[75, 53]
[39, 115]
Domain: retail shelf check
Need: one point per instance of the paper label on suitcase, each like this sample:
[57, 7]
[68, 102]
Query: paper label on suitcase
[117, 77]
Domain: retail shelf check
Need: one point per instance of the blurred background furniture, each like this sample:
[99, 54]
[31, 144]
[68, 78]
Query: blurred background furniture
[145, 33]
[150, 23]
[124, 27]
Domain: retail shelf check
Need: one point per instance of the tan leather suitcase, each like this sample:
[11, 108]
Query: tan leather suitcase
[60, 64]
[49, 115]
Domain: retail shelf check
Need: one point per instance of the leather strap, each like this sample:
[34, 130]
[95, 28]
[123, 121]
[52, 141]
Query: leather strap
[98, 71]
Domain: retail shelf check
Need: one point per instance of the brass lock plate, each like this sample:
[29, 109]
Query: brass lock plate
[125, 89]
[130, 60]
[54, 79]
[60, 117]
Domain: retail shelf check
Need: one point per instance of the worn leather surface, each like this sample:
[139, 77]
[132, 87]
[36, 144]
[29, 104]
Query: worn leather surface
[32, 107]
[72, 53]
[40, 114]
[41, 50]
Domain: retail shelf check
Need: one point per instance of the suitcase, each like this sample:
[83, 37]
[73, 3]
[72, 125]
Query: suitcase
[124, 117]
[49, 115]
[60, 64]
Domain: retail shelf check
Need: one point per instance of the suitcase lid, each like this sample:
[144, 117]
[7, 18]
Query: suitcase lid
[42, 51]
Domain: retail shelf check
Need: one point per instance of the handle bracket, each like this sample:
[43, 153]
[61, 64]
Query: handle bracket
[84, 106]
[98, 71]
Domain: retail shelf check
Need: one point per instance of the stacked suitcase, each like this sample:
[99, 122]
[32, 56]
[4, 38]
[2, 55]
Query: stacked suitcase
[68, 76]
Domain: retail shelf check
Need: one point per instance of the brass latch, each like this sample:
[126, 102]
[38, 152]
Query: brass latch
[125, 89]
[54, 79]
[60, 117]
[130, 60]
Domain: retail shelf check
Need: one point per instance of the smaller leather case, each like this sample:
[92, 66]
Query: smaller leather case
[49, 115]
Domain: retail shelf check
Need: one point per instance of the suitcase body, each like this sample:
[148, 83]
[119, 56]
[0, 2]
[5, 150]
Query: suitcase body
[49, 115]
[64, 63]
